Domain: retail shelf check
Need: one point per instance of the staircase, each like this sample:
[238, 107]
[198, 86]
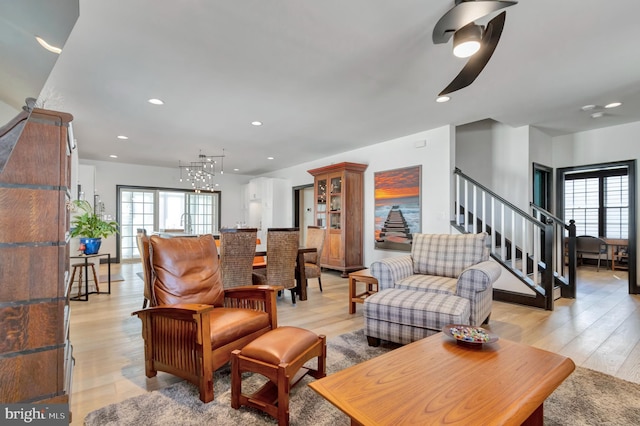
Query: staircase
[538, 248]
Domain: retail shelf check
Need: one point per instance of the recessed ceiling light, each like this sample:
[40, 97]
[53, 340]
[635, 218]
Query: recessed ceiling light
[256, 123]
[236, 170]
[613, 105]
[156, 101]
[269, 158]
[597, 114]
[47, 46]
[441, 99]
[113, 156]
[123, 137]
[588, 107]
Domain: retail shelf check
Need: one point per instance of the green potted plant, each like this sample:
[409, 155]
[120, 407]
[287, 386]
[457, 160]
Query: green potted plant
[90, 227]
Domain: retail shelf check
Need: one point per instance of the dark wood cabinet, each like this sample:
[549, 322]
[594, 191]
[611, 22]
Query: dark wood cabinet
[339, 209]
[35, 355]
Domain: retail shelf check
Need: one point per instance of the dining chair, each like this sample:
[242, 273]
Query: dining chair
[237, 251]
[142, 239]
[282, 253]
[259, 261]
[586, 244]
[315, 239]
[195, 323]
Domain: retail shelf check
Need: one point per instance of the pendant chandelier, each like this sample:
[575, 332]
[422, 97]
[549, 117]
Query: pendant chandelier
[201, 172]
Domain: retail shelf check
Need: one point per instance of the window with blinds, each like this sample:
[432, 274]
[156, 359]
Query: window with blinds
[598, 202]
[616, 206]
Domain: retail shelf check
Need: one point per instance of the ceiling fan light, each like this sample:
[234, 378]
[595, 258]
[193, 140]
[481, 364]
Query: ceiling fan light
[466, 41]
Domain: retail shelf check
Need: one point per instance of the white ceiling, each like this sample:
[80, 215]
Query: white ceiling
[326, 77]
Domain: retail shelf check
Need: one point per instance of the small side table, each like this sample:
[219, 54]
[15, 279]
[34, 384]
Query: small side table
[363, 276]
[86, 258]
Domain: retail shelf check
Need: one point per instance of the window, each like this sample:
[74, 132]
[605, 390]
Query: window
[598, 201]
[616, 206]
[157, 209]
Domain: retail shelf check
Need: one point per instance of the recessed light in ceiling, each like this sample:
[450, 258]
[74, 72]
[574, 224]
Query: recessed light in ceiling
[113, 156]
[155, 101]
[256, 123]
[123, 137]
[441, 99]
[613, 105]
[588, 107]
[597, 114]
[269, 158]
[236, 170]
[47, 46]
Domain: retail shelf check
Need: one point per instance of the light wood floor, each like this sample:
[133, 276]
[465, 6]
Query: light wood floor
[600, 330]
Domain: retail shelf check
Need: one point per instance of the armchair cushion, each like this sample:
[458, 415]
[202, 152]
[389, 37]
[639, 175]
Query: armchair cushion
[447, 255]
[230, 324]
[431, 283]
[185, 270]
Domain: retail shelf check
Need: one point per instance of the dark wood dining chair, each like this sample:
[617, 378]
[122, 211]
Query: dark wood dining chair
[237, 252]
[282, 254]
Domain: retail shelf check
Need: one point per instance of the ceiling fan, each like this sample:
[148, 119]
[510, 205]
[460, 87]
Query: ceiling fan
[470, 39]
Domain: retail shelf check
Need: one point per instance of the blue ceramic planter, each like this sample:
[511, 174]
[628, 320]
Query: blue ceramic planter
[91, 245]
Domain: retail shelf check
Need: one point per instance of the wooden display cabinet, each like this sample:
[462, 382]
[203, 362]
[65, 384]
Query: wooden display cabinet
[339, 209]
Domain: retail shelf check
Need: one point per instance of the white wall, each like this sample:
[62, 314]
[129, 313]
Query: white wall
[474, 151]
[497, 156]
[7, 113]
[541, 152]
[616, 143]
[437, 161]
[511, 165]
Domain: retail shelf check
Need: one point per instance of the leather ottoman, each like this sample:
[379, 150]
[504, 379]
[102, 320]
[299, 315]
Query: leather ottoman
[279, 356]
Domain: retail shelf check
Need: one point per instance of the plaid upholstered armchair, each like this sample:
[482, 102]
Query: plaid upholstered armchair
[454, 267]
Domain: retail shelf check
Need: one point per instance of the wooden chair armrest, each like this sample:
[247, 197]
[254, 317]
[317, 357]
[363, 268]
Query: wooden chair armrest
[180, 310]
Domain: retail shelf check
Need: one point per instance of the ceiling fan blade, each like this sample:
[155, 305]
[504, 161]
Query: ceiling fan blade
[464, 13]
[477, 62]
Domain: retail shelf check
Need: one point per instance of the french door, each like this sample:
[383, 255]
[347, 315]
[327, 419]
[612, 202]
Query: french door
[164, 210]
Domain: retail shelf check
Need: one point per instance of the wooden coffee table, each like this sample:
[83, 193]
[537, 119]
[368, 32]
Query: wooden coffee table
[436, 381]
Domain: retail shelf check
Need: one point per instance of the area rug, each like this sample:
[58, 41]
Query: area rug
[587, 397]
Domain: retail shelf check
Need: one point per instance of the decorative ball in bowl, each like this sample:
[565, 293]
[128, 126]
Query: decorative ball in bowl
[466, 335]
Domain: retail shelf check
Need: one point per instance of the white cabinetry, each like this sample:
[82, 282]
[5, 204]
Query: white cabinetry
[268, 201]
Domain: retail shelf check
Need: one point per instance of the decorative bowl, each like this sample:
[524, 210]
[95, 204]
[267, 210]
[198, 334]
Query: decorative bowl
[470, 336]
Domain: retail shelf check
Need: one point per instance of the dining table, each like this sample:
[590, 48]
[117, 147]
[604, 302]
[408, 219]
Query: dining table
[301, 277]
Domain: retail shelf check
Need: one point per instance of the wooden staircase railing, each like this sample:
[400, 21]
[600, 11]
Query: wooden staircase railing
[531, 247]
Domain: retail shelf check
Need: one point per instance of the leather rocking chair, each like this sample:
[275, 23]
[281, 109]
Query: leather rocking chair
[196, 323]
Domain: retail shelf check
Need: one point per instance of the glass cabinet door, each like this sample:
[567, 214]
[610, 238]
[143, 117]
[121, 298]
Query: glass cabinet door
[321, 203]
[335, 202]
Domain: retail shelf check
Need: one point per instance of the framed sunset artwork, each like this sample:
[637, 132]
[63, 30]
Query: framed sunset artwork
[397, 207]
